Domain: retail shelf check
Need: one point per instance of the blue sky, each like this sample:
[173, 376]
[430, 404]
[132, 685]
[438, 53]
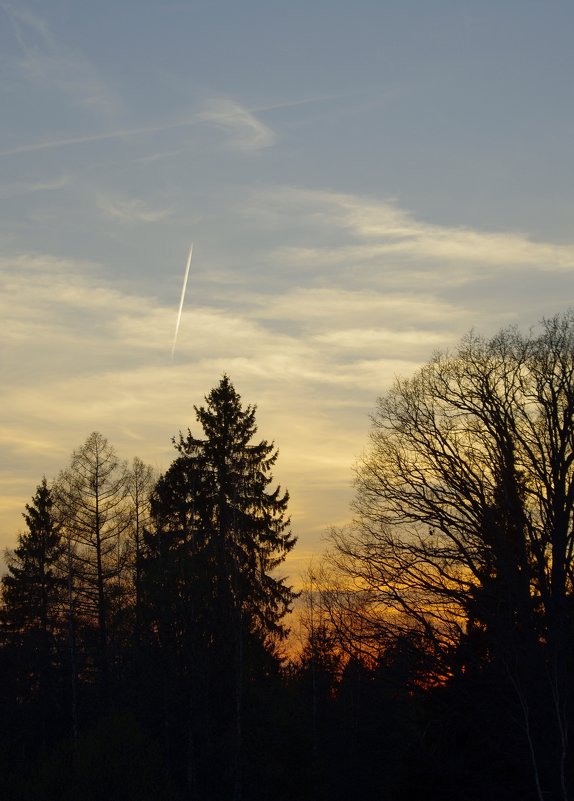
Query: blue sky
[363, 183]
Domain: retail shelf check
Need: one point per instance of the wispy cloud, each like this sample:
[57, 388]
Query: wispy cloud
[130, 210]
[359, 293]
[325, 336]
[332, 307]
[160, 155]
[102, 355]
[47, 62]
[56, 312]
[381, 230]
[245, 130]
[16, 188]
[285, 104]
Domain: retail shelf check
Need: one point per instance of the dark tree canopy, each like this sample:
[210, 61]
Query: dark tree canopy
[141, 622]
[220, 531]
[216, 501]
[32, 589]
[33, 626]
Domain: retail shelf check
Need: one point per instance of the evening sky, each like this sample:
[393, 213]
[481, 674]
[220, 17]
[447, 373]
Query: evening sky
[363, 183]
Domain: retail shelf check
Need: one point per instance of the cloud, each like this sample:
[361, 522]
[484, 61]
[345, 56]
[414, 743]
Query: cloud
[31, 187]
[312, 331]
[381, 230]
[130, 210]
[48, 63]
[335, 306]
[245, 131]
[101, 355]
[378, 340]
[57, 312]
[287, 104]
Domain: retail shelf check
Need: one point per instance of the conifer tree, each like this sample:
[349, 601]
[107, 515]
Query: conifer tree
[220, 533]
[32, 621]
[215, 499]
[33, 586]
[91, 498]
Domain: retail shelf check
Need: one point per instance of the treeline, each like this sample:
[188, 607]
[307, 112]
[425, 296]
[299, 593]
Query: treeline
[144, 618]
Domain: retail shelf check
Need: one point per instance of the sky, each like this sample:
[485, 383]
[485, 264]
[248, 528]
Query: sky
[363, 183]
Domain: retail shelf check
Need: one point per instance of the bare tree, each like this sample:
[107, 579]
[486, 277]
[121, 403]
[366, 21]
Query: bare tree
[91, 496]
[465, 515]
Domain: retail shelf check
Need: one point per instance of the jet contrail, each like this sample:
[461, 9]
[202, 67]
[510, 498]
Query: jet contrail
[181, 300]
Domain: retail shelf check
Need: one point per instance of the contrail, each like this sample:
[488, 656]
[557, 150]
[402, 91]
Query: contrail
[181, 300]
[33, 147]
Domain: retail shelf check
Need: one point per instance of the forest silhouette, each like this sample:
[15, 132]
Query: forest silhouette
[144, 618]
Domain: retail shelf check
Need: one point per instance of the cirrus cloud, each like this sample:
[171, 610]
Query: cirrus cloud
[245, 130]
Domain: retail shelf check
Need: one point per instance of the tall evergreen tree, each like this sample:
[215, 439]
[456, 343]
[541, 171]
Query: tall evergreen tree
[220, 533]
[32, 588]
[245, 521]
[33, 624]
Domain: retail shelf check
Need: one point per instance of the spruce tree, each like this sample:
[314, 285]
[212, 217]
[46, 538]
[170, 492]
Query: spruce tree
[33, 586]
[221, 531]
[33, 625]
[245, 519]
[215, 507]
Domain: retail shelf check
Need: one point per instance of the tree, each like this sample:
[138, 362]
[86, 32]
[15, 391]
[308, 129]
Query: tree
[140, 483]
[32, 588]
[32, 613]
[220, 534]
[241, 522]
[464, 530]
[91, 499]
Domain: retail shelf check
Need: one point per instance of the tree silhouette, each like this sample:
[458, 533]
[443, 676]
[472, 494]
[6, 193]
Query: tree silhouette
[464, 532]
[91, 500]
[32, 613]
[32, 588]
[140, 481]
[220, 533]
